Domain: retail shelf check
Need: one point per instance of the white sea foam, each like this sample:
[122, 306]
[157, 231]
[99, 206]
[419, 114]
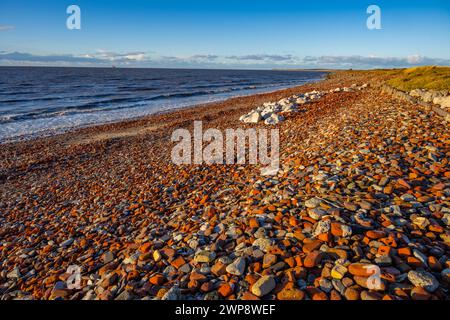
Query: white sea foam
[36, 121]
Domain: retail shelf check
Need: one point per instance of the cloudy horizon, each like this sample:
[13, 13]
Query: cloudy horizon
[137, 59]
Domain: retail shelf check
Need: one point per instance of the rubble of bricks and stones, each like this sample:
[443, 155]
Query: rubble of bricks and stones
[365, 180]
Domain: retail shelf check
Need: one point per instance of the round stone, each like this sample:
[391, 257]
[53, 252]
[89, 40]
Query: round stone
[424, 280]
[263, 286]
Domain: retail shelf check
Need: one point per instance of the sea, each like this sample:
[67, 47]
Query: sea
[41, 101]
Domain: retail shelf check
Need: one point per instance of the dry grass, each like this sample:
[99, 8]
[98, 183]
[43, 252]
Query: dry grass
[430, 78]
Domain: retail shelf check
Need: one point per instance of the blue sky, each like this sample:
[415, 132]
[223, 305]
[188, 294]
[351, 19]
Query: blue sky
[225, 34]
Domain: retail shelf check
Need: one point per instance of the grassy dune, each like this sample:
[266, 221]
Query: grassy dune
[430, 78]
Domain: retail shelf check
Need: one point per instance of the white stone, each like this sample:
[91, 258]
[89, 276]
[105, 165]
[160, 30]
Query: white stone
[424, 280]
[263, 244]
[204, 256]
[266, 113]
[316, 213]
[269, 104]
[312, 203]
[444, 102]
[274, 119]
[173, 294]
[263, 286]
[289, 108]
[346, 231]
[252, 117]
[323, 226]
[416, 93]
[236, 268]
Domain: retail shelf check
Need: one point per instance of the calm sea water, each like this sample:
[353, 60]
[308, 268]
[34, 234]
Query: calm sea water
[42, 101]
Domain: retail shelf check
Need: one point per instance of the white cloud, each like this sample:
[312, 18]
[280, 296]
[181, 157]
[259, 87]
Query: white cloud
[146, 59]
[368, 62]
[4, 27]
[264, 57]
[414, 59]
[119, 57]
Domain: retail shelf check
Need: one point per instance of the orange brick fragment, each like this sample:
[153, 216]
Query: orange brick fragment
[405, 251]
[384, 250]
[178, 262]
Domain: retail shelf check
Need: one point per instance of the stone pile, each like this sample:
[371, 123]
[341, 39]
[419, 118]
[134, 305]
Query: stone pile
[440, 98]
[272, 112]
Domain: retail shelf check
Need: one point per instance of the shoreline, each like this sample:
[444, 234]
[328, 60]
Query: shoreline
[55, 132]
[201, 107]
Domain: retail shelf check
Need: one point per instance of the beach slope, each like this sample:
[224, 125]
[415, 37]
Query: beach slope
[363, 188]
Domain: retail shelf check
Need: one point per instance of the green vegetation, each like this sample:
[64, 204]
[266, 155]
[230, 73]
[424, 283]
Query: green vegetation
[430, 78]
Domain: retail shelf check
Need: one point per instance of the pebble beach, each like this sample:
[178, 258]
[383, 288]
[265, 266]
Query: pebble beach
[364, 181]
